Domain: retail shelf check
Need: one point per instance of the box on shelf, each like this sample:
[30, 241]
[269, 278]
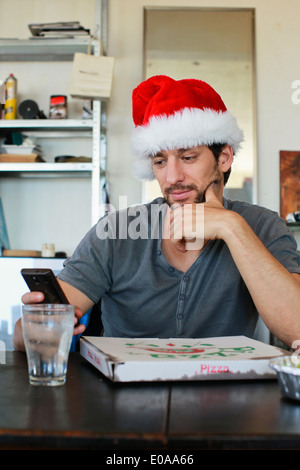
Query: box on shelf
[221, 358]
[22, 253]
[91, 76]
[19, 158]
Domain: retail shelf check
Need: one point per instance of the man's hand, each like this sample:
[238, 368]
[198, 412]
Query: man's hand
[192, 225]
[38, 297]
[215, 216]
[35, 298]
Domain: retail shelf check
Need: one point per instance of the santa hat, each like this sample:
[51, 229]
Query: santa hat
[171, 114]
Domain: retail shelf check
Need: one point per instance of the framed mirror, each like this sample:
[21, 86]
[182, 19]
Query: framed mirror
[217, 46]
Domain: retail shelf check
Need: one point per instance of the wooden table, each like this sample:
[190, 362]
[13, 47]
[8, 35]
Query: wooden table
[91, 413]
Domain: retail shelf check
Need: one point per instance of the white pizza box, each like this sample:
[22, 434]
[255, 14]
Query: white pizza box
[150, 359]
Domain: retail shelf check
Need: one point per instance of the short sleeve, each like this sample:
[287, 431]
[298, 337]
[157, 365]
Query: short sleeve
[276, 236]
[89, 268]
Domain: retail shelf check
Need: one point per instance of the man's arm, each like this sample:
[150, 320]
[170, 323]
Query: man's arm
[275, 291]
[75, 297]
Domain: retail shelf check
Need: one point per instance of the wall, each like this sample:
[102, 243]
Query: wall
[278, 119]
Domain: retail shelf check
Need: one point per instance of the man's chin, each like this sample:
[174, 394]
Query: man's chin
[184, 195]
[181, 202]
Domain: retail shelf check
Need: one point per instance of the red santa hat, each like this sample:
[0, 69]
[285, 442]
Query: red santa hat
[171, 114]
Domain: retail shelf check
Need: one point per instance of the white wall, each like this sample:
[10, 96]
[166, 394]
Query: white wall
[278, 65]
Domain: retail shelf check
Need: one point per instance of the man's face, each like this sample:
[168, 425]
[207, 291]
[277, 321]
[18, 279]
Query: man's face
[185, 174]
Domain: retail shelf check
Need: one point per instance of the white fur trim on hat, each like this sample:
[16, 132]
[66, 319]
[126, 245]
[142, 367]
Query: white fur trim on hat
[187, 128]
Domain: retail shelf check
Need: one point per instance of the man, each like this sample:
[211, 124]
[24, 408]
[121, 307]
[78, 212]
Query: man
[190, 264]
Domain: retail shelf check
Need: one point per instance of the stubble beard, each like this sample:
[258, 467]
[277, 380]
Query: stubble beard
[216, 177]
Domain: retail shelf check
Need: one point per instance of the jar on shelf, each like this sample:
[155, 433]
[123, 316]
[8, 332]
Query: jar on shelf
[58, 107]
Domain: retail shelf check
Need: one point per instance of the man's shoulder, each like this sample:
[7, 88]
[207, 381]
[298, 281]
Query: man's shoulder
[261, 219]
[243, 207]
[158, 202]
[138, 221]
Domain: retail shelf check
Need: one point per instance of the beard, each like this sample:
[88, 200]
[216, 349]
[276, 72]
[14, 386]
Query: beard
[177, 187]
[215, 177]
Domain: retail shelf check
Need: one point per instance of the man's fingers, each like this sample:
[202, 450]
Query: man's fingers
[188, 226]
[79, 328]
[32, 298]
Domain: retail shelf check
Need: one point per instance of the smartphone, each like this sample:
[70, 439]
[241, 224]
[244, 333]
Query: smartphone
[44, 280]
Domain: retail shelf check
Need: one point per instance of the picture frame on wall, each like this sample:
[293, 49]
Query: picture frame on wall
[289, 182]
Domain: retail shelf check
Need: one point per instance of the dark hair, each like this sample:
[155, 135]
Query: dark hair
[216, 150]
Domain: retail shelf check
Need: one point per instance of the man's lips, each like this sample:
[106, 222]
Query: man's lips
[180, 194]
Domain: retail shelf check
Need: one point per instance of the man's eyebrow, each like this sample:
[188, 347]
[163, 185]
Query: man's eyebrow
[190, 149]
[158, 154]
[177, 152]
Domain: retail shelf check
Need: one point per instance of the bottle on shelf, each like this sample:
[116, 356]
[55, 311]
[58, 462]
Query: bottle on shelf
[10, 106]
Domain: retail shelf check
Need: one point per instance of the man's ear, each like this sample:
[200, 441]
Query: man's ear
[225, 158]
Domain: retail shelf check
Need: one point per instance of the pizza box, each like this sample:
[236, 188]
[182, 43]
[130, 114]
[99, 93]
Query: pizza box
[150, 359]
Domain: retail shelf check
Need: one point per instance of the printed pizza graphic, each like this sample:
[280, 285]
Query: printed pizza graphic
[186, 350]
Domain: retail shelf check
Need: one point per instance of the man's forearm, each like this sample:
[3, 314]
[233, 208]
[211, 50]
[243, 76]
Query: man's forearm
[275, 291]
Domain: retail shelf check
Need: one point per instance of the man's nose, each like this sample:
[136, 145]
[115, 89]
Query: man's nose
[175, 172]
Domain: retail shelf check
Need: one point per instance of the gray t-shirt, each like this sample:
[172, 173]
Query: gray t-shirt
[121, 262]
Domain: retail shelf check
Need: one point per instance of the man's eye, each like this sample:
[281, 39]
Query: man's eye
[188, 158]
[158, 162]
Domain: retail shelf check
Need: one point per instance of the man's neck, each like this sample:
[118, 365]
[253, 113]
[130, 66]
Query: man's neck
[178, 259]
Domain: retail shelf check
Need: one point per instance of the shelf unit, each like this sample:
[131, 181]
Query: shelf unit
[43, 49]
[66, 124]
[45, 167]
[15, 50]
[63, 127]
[294, 227]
